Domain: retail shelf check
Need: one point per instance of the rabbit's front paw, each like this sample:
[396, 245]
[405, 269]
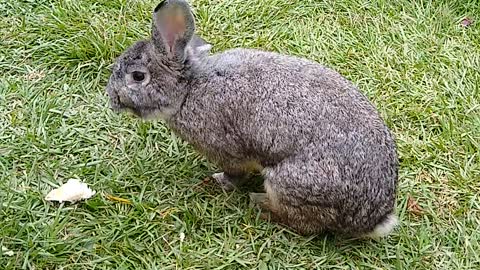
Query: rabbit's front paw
[224, 181]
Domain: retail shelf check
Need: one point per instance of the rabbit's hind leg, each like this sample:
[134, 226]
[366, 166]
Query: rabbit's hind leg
[303, 219]
[286, 201]
[229, 181]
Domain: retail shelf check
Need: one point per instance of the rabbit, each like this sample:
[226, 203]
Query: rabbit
[328, 160]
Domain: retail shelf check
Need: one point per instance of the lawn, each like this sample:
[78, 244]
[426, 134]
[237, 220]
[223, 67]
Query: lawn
[417, 61]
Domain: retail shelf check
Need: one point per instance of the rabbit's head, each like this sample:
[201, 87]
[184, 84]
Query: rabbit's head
[149, 78]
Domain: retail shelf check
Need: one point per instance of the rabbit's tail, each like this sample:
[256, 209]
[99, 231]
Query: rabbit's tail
[384, 228]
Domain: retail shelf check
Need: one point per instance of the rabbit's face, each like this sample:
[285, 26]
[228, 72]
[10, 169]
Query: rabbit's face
[143, 83]
[148, 79]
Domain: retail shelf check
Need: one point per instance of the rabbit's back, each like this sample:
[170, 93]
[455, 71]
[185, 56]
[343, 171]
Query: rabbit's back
[278, 104]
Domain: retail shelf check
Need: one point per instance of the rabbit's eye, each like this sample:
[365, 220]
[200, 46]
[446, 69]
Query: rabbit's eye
[138, 76]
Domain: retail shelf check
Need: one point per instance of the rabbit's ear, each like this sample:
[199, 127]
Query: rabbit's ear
[173, 28]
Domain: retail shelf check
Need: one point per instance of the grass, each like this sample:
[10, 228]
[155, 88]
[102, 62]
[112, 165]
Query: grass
[413, 59]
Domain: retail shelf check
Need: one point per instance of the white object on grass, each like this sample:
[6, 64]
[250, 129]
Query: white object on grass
[182, 237]
[72, 191]
[7, 252]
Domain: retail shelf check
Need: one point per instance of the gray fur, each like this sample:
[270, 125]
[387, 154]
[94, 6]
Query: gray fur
[328, 160]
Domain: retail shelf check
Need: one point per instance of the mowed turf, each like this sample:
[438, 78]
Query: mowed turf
[414, 59]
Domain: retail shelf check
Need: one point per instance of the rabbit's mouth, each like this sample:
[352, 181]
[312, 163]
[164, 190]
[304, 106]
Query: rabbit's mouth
[134, 111]
[118, 104]
[144, 113]
[120, 108]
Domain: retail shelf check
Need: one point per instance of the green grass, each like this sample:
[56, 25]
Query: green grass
[412, 58]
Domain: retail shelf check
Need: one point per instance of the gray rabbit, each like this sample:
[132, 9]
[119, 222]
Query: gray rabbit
[328, 160]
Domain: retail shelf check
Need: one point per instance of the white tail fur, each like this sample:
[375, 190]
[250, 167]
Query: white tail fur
[384, 228]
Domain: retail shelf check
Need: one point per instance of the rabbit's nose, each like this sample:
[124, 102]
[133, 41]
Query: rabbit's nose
[114, 101]
[126, 101]
[115, 104]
